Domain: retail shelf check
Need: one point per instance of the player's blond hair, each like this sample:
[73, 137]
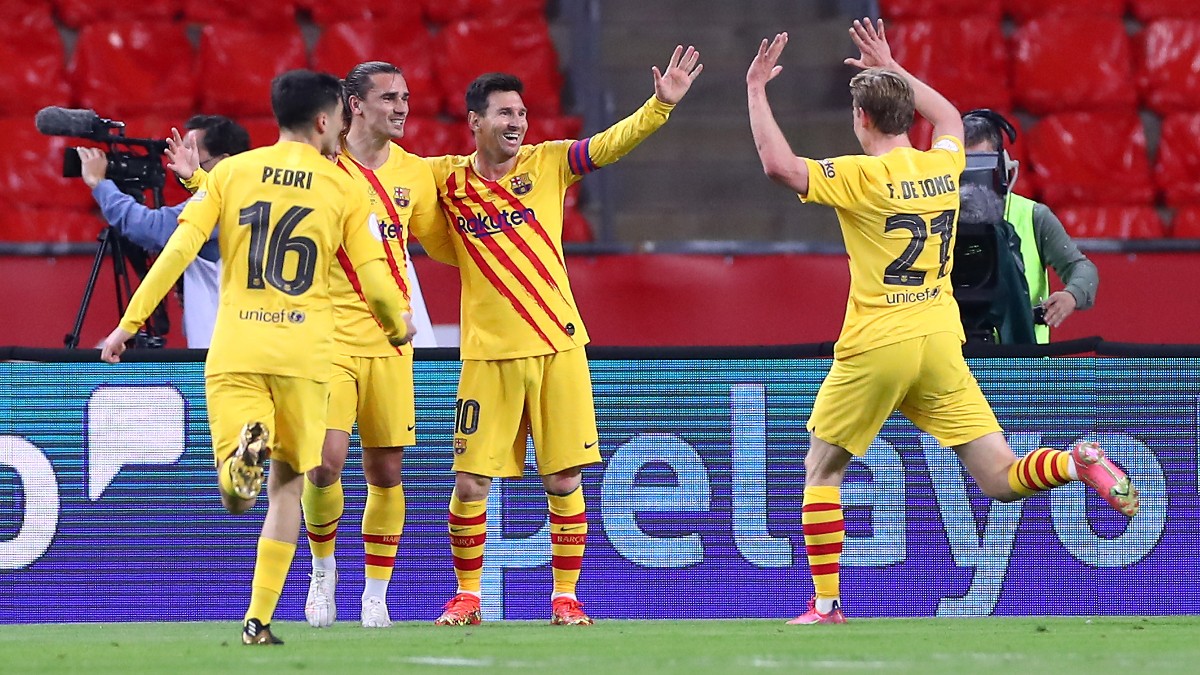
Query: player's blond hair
[886, 98]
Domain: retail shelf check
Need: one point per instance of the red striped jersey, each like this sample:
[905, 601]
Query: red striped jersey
[507, 236]
[401, 193]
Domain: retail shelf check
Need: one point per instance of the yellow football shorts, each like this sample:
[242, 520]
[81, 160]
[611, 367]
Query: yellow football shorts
[292, 409]
[378, 392]
[925, 378]
[500, 403]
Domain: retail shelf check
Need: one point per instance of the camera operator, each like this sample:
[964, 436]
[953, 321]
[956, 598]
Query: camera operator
[210, 138]
[1044, 241]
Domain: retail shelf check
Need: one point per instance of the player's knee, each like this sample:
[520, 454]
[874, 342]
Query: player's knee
[471, 488]
[563, 483]
[325, 475]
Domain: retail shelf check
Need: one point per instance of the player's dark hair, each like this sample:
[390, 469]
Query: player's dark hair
[358, 83]
[483, 86]
[886, 98]
[978, 129]
[298, 96]
[222, 136]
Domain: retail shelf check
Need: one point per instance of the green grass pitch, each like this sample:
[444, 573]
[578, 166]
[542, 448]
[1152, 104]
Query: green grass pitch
[1061, 645]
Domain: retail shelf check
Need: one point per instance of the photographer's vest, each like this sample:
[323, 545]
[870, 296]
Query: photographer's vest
[1018, 211]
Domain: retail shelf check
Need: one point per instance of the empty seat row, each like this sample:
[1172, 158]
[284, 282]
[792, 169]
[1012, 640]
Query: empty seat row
[1055, 64]
[1025, 10]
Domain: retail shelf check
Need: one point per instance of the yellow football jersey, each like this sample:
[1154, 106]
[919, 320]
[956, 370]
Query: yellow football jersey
[899, 216]
[283, 213]
[507, 238]
[401, 193]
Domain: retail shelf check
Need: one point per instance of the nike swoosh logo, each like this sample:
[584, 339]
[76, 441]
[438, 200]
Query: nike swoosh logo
[458, 530]
[574, 528]
[411, 427]
[588, 446]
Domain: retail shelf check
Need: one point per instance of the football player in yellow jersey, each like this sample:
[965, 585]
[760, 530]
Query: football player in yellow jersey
[901, 343]
[282, 213]
[524, 368]
[372, 381]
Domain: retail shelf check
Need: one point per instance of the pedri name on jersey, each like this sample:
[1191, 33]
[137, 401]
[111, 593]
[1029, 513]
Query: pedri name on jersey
[485, 225]
[287, 177]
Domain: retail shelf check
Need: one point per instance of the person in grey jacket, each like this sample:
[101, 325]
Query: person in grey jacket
[213, 138]
[1044, 241]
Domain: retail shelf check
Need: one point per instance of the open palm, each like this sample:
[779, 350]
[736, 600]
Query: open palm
[670, 85]
[872, 42]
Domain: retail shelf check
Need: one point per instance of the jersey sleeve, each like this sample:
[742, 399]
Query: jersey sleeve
[197, 181]
[586, 155]
[428, 222]
[953, 149]
[196, 224]
[835, 182]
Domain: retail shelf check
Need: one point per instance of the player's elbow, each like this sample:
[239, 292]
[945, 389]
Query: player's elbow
[786, 174]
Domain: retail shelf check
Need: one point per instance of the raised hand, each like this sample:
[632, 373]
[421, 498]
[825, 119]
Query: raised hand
[183, 156]
[763, 68]
[872, 42]
[670, 85]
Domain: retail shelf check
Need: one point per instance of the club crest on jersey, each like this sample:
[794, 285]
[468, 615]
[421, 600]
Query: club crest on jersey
[522, 184]
[460, 446]
[400, 196]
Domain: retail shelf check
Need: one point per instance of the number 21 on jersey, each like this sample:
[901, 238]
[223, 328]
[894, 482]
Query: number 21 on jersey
[900, 271]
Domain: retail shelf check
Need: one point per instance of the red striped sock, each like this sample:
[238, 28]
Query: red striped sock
[824, 532]
[568, 537]
[1042, 469]
[383, 522]
[323, 508]
[468, 532]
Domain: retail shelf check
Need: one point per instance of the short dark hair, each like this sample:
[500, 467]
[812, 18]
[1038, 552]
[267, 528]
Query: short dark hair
[222, 136]
[979, 129]
[483, 86]
[358, 83]
[298, 96]
[886, 98]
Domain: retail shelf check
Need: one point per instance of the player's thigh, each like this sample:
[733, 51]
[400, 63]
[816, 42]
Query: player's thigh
[235, 400]
[386, 415]
[945, 401]
[562, 413]
[859, 394]
[342, 407]
[489, 420]
[300, 411]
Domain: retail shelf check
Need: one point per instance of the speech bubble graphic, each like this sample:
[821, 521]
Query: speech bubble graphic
[131, 425]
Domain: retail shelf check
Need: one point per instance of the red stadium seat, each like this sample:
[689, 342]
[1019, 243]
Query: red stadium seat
[77, 13]
[238, 62]
[468, 49]
[31, 168]
[399, 15]
[132, 68]
[927, 9]
[447, 11]
[263, 130]
[344, 45]
[1177, 171]
[575, 226]
[970, 69]
[269, 15]
[1025, 10]
[1186, 224]
[1091, 158]
[50, 224]
[429, 137]
[1072, 63]
[553, 129]
[1168, 60]
[34, 75]
[1111, 222]
[18, 11]
[1149, 10]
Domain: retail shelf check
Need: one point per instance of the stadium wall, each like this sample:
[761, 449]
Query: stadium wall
[108, 507]
[663, 299]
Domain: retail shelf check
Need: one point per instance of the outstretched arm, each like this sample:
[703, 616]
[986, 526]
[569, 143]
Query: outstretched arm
[779, 162]
[876, 53]
[670, 86]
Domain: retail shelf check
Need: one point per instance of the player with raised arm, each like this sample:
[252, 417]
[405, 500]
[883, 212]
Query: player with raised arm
[282, 213]
[901, 343]
[372, 381]
[524, 367]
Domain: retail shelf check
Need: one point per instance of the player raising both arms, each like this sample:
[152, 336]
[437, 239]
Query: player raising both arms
[524, 368]
[901, 344]
[372, 381]
[282, 213]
